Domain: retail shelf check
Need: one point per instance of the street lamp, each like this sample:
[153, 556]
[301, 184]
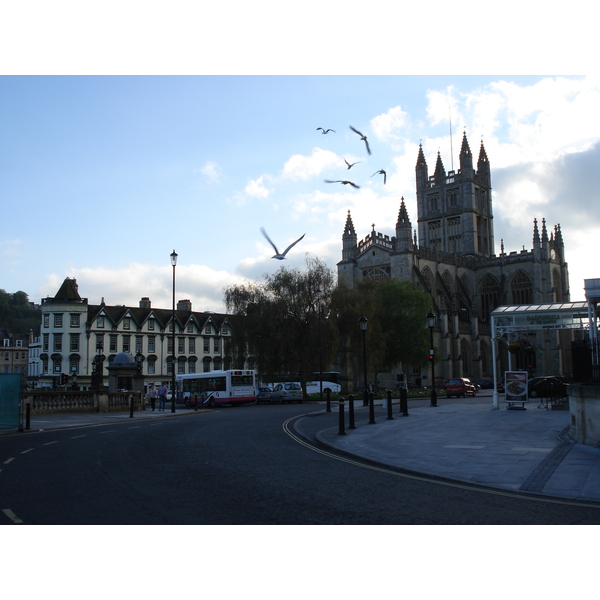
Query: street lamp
[319, 296]
[174, 264]
[431, 324]
[363, 327]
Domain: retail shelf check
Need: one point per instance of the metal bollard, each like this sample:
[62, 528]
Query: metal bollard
[341, 417]
[351, 424]
[371, 409]
[404, 402]
[131, 407]
[28, 416]
[328, 394]
[389, 405]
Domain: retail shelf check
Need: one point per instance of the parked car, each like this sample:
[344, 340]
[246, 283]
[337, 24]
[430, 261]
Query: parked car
[264, 394]
[484, 384]
[460, 386]
[547, 387]
[287, 392]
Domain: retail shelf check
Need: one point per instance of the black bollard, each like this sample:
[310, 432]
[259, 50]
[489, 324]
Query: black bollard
[328, 394]
[28, 416]
[366, 397]
[341, 416]
[404, 402]
[131, 407]
[389, 405]
[351, 424]
[371, 409]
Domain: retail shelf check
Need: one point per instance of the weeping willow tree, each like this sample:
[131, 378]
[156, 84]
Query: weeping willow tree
[284, 324]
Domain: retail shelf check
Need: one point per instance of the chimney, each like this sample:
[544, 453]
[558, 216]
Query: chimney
[184, 305]
[145, 303]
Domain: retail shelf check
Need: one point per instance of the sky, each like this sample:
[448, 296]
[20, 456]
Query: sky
[107, 175]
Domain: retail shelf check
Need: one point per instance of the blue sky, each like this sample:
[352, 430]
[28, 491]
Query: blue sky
[107, 164]
[106, 175]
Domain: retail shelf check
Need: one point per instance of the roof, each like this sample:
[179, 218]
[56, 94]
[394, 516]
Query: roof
[535, 317]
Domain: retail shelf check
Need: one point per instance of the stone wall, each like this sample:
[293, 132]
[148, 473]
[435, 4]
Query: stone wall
[584, 405]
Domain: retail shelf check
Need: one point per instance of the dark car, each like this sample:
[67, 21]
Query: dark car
[484, 384]
[460, 386]
[264, 394]
[547, 387]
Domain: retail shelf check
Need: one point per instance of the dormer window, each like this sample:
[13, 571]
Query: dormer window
[151, 325]
[208, 329]
[127, 323]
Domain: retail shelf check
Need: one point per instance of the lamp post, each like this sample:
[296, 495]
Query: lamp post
[431, 324]
[174, 264]
[363, 327]
[319, 296]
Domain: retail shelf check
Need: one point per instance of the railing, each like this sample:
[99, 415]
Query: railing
[47, 402]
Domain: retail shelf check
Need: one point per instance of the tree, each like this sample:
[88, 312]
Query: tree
[16, 315]
[284, 324]
[397, 331]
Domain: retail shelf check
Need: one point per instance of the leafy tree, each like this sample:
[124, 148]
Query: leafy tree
[284, 323]
[16, 315]
[395, 312]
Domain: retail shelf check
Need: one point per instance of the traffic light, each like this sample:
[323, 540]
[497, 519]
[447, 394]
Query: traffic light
[431, 355]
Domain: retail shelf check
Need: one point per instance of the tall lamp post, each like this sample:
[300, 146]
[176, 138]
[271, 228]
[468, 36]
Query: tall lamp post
[431, 324]
[174, 264]
[319, 297]
[363, 327]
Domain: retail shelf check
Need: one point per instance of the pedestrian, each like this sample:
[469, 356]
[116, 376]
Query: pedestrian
[152, 396]
[163, 390]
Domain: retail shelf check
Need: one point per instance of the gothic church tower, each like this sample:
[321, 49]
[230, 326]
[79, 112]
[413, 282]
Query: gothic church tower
[455, 208]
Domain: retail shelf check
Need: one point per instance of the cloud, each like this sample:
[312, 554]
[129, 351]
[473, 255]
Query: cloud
[384, 125]
[126, 286]
[211, 171]
[256, 188]
[304, 167]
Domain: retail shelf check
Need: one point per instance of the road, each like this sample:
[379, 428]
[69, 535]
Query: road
[231, 466]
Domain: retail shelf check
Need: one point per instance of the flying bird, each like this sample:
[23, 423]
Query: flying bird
[324, 131]
[351, 165]
[382, 172]
[343, 182]
[363, 138]
[278, 255]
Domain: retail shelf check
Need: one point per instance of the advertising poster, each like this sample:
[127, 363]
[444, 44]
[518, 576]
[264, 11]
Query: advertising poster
[515, 386]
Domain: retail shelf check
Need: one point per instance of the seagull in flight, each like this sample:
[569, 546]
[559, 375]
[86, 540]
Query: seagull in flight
[278, 255]
[324, 131]
[363, 138]
[343, 182]
[351, 165]
[382, 172]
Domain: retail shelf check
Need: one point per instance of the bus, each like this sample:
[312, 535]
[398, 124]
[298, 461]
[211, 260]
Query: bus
[235, 386]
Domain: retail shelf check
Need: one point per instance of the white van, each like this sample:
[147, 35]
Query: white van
[314, 387]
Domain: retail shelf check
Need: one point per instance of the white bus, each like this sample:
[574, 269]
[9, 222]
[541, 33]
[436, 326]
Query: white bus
[235, 386]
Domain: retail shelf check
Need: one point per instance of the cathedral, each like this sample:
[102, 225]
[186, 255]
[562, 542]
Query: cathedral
[451, 255]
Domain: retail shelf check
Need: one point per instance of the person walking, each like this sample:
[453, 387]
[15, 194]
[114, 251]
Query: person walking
[152, 396]
[163, 390]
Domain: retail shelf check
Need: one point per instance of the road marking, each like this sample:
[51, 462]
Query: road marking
[134, 427]
[77, 436]
[9, 460]
[11, 515]
[48, 443]
[110, 431]
[26, 451]
[465, 447]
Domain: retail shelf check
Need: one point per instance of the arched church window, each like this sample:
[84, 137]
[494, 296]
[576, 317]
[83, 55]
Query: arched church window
[488, 296]
[465, 357]
[428, 278]
[557, 286]
[521, 289]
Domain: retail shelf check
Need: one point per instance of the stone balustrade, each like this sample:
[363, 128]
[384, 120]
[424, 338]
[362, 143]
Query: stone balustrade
[47, 402]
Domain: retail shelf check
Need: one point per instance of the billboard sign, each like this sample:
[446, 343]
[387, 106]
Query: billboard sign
[515, 386]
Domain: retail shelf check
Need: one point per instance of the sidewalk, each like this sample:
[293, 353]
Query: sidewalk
[466, 440]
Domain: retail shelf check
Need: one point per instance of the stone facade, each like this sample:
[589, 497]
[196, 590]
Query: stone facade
[452, 257]
[74, 332]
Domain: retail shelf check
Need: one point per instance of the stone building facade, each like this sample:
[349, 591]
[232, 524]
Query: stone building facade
[74, 332]
[451, 255]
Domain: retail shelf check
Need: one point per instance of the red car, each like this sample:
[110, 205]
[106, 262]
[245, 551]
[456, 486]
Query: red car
[459, 386]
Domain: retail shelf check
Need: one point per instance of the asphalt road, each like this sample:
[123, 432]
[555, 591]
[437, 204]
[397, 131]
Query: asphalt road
[233, 466]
